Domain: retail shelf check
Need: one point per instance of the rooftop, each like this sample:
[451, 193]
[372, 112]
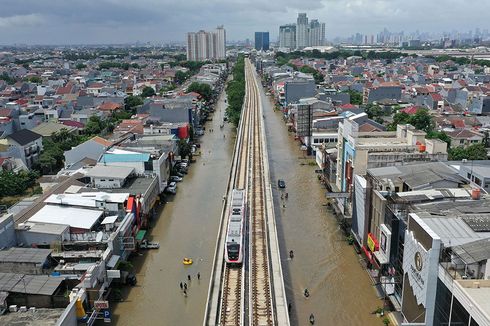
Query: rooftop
[87, 199]
[111, 158]
[30, 284]
[74, 217]
[24, 255]
[46, 129]
[116, 172]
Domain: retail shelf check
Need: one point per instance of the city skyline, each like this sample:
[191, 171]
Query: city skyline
[124, 21]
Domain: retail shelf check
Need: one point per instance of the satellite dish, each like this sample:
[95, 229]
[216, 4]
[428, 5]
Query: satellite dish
[99, 236]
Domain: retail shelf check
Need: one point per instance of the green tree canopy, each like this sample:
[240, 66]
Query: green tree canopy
[203, 89]
[472, 152]
[355, 97]
[148, 92]
[131, 102]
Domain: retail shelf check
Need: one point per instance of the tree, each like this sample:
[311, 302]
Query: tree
[472, 152]
[181, 76]
[374, 111]
[184, 148]
[148, 92]
[80, 66]
[203, 89]
[35, 79]
[355, 97]
[422, 120]
[439, 135]
[47, 163]
[316, 74]
[94, 126]
[131, 102]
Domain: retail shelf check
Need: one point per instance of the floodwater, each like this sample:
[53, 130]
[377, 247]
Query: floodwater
[341, 293]
[187, 227]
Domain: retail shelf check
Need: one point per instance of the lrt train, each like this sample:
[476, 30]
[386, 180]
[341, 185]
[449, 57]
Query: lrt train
[235, 237]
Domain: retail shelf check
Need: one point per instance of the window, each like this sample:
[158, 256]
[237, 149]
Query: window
[478, 181]
[468, 175]
[111, 179]
[102, 180]
[461, 141]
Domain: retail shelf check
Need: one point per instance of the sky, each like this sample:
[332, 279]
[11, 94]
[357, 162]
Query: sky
[127, 21]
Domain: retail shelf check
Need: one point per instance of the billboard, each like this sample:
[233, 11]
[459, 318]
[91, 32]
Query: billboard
[304, 120]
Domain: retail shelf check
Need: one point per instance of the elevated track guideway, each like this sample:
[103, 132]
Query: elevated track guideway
[251, 293]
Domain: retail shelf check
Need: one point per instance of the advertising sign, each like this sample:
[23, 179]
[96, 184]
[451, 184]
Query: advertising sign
[372, 242]
[304, 121]
[415, 265]
[385, 241]
[101, 304]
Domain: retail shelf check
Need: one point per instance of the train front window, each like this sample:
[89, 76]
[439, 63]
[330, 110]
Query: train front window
[233, 250]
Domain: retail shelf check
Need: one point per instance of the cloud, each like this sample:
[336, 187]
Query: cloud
[28, 20]
[121, 21]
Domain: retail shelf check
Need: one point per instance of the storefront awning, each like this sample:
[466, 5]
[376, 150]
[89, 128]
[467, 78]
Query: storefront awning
[140, 235]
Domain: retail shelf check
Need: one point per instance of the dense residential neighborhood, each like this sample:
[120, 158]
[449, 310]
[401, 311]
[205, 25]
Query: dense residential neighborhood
[92, 142]
[95, 140]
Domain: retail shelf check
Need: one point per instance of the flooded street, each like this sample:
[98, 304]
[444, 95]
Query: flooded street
[340, 291]
[187, 227]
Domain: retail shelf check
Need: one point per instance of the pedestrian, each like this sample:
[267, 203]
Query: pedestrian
[185, 293]
[198, 275]
[185, 286]
[282, 196]
[283, 205]
[189, 277]
[181, 286]
[287, 195]
[289, 308]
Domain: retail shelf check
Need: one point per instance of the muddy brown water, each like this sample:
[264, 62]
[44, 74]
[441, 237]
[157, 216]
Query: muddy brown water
[340, 291]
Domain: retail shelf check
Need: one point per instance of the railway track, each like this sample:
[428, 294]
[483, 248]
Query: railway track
[250, 176]
[261, 311]
[232, 298]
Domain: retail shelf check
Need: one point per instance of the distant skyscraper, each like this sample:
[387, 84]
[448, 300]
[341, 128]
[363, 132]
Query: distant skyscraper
[220, 43]
[316, 33]
[302, 31]
[262, 41]
[287, 36]
[304, 34]
[206, 45]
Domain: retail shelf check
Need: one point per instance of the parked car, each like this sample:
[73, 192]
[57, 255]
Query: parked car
[176, 178]
[171, 188]
[182, 164]
[281, 183]
[179, 174]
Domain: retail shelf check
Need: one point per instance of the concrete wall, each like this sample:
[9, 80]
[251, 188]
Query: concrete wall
[28, 238]
[7, 232]
[69, 316]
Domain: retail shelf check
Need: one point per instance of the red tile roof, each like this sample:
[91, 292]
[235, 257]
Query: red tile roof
[71, 123]
[410, 110]
[458, 123]
[110, 106]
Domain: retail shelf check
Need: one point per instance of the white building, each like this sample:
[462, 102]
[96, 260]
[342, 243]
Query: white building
[204, 45]
[302, 31]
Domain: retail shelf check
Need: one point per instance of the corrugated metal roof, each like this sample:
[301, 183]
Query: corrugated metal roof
[24, 255]
[473, 252]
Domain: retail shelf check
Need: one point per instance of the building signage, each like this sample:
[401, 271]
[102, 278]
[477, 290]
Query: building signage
[415, 265]
[384, 241]
[101, 304]
[338, 194]
[372, 242]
